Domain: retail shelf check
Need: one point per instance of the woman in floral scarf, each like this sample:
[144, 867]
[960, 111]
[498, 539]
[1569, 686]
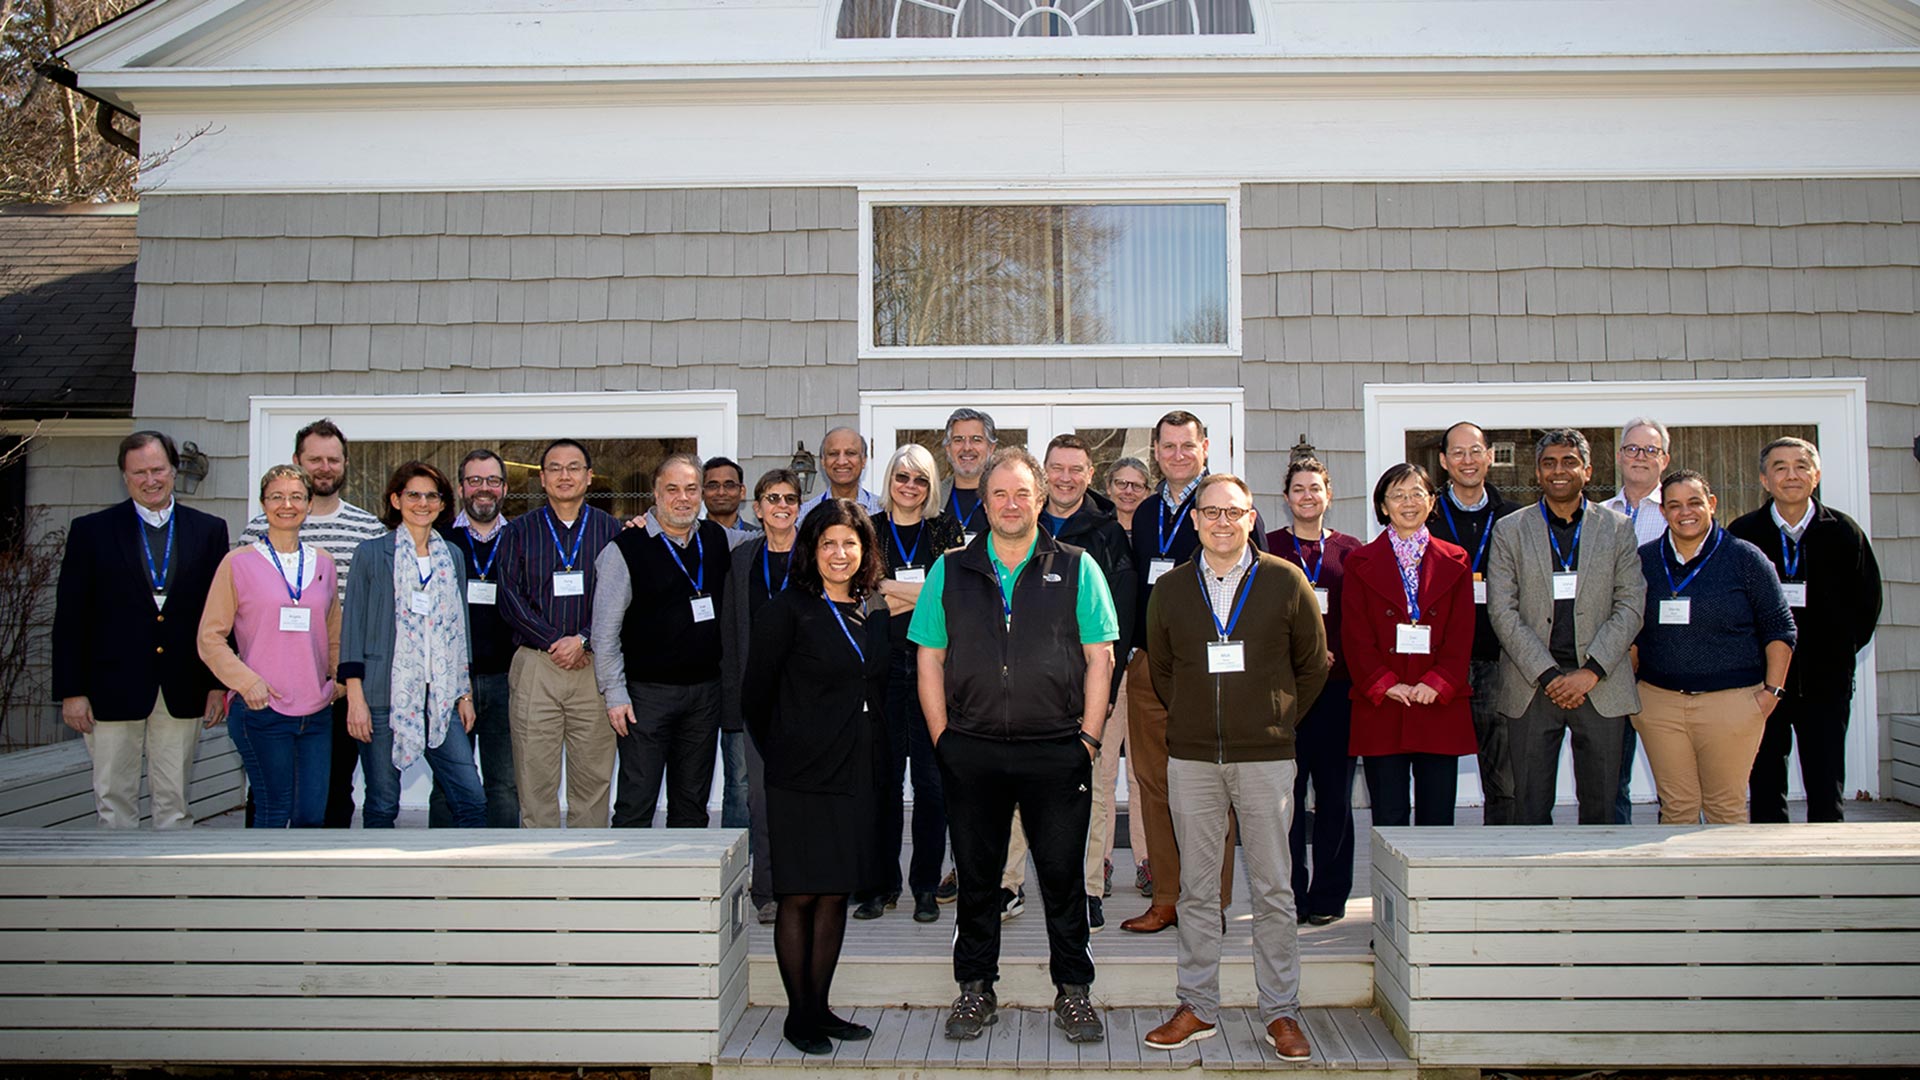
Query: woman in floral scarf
[404, 652]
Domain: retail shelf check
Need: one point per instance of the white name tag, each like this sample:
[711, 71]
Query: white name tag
[1156, 568]
[483, 592]
[1226, 656]
[1676, 612]
[570, 583]
[159, 601]
[296, 620]
[1413, 639]
[1321, 595]
[1566, 586]
[702, 609]
[1796, 593]
[967, 537]
[421, 603]
[911, 575]
[1480, 592]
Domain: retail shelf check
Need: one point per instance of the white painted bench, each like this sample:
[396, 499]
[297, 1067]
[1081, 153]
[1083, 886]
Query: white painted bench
[52, 786]
[1906, 759]
[574, 948]
[1755, 945]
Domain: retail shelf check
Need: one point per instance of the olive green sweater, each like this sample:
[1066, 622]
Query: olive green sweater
[1241, 716]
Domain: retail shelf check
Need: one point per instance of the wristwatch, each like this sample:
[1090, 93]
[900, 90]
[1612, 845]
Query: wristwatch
[1776, 691]
[1089, 740]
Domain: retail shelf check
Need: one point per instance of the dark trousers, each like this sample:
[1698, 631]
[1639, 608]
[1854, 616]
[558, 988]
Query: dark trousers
[1416, 789]
[762, 885]
[674, 736]
[908, 741]
[346, 758]
[1490, 729]
[1051, 781]
[1535, 738]
[493, 738]
[1320, 751]
[1623, 802]
[1819, 724]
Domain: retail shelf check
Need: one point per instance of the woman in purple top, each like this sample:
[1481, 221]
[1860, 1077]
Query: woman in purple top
[278, 600]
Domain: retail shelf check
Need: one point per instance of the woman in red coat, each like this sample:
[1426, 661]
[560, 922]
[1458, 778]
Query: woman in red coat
[1407, 624]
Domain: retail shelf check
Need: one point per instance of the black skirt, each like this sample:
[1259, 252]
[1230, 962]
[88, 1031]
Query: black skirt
[827, 843]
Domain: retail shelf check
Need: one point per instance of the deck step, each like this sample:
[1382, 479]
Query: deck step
[1346, 1043]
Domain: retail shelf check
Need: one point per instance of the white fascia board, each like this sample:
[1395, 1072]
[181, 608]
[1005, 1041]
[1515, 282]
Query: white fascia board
[152, 26]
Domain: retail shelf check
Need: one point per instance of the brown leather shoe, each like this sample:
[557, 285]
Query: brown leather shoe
[1152, 921]
[1285, 1036]
[1179, 1030]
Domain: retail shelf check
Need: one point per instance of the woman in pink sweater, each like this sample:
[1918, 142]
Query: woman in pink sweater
[278, 598]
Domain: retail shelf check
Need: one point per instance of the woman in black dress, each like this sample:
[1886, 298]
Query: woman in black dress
[813, 699]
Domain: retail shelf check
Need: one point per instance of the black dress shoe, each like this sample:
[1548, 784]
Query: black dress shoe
[845, 1030]
[926, 908]
[807, 1040]
[871, 908]
[1322, 920]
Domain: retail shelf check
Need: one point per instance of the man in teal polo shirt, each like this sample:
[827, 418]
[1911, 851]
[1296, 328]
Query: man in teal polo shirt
[1016, 659]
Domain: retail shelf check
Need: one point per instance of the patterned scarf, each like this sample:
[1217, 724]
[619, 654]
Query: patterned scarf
[420, 672]
[1408, 553]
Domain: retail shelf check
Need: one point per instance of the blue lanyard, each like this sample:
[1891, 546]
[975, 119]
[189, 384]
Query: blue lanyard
[482, 571]
[1006, 599]
[700, 559]
[428, 576]
[1246, 590]
[1313, 575]
[1566, 561]
[901, 545]
[299, 572]
[1790, 552]
[579, 538]
[1486, 534]
[1160, 523]
[966, 520]
[159, 576]
[1697, 567]
[842, 620]
[766, 569]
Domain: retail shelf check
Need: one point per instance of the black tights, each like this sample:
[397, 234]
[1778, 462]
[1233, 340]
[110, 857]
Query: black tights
[806, 942]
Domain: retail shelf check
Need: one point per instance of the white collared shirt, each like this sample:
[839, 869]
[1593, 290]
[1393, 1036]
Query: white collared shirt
[155, 518]
[1794, 531]
[1648, 523]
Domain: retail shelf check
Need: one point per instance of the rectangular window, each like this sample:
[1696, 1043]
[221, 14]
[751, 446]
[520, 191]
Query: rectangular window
[622, 471]
[1085, 277]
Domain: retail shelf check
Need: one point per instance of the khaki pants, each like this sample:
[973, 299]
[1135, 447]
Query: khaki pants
[169, 744]
[1701, 747]
[1147, 745]
[559, 714]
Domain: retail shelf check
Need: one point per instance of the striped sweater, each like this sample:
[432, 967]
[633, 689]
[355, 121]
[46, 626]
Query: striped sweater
[337, 534]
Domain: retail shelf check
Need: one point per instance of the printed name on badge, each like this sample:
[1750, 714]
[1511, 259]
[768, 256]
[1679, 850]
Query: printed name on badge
[1796, 593]
[1322, 596]
[296, 620]
[421, 603]
[1566, 586]
[1226, 656]
[1480, 592]
[1412, 639]
[911, 575]
[1676, 612]
[1156, 568]
[483, 592]
[570, 583]
[702, 609]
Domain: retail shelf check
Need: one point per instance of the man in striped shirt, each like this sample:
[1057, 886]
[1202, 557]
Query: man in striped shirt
[337, 527]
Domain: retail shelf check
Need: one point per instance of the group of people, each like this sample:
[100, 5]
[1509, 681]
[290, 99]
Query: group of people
[1007, 639]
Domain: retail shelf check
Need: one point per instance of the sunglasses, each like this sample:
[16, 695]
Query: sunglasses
[912, 480]
[780, 498]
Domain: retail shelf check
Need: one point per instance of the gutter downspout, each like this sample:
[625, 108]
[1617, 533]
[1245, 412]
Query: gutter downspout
[104, 112]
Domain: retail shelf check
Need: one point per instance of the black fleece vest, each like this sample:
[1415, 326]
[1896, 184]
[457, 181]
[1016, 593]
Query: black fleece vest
[1020, 681]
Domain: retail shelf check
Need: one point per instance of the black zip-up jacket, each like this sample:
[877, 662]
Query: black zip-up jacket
[1095, 529]
[1021, 682]
[1474, 526]
[1843, 595]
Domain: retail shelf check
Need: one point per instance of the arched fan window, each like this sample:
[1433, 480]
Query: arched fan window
[1042, 18]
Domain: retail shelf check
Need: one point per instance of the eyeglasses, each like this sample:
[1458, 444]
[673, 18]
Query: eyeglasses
[780, 498]
[1467, 453]
[1637, 451]
[912, 480]
[489, 483]
[723, 485]
[572, 468]
[1402, 498]
[1127, 485]
[1228, 513]
[421, 498]
[282, 498]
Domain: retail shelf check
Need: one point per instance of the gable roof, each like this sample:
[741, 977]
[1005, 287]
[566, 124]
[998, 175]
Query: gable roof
[66, 311]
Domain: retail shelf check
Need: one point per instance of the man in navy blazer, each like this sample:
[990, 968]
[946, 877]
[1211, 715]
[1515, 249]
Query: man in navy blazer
[125, 668]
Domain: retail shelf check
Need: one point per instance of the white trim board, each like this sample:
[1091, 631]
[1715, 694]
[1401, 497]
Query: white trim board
[70, 428]
[710, 417]
[1838, 407]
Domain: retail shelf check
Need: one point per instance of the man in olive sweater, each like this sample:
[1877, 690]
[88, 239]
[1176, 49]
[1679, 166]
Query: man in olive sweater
[1237, 653]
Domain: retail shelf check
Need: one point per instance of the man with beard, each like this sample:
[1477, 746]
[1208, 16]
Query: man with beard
[656, 633]
[483, 485]
[337, 527]
[843, 457]
[971, 439]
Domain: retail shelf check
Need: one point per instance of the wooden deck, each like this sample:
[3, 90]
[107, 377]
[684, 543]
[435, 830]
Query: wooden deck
[1346, 1042]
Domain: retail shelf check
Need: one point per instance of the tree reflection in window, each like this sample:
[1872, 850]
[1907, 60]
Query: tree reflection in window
[1061, 275]
[1042, 18]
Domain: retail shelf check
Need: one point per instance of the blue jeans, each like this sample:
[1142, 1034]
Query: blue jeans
[287, 759]
[493, 737]
[733, 770]
[453, 773]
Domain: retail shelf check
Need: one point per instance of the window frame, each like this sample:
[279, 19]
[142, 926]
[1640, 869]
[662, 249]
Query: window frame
[1224, 194]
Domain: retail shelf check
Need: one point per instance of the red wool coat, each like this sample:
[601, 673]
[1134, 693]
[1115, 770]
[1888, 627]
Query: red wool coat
[1373, 605]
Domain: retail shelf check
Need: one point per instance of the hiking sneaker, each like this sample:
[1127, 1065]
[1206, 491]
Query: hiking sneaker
[1096, 915]
[1012, 903]
[973, 1011]
[1073, 1013]
[1106, 878]
[1143, 878]
[949, 889]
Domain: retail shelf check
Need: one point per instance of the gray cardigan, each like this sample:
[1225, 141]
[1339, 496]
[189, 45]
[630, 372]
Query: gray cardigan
[366, 620]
